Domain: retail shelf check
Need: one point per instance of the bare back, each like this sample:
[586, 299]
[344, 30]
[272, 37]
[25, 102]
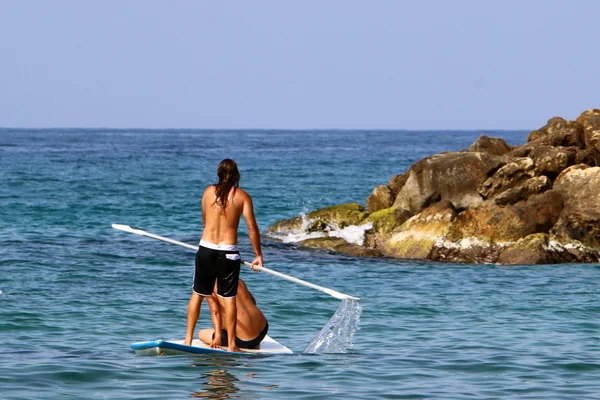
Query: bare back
[250, 320]
[221, 225]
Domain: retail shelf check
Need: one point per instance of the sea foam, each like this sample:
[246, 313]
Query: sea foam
[354, 234]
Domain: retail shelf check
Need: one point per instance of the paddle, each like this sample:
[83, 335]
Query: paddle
[331, 292]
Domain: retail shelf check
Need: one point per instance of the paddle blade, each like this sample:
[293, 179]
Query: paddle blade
[127, 228]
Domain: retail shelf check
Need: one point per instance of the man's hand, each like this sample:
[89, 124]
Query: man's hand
[258, 261]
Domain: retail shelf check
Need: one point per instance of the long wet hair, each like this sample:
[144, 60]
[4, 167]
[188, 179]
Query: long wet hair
[229, 177]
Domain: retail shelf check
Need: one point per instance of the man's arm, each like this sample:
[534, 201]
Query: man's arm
[253, 232]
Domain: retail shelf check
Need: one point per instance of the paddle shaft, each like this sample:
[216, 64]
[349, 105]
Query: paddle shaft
[331, 292]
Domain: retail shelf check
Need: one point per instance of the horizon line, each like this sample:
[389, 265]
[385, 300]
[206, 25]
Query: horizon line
[269, 129]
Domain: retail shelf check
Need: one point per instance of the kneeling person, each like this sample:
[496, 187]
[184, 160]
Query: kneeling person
[252, 325]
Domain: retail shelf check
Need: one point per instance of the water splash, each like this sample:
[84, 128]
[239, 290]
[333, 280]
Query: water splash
[352, 234]
[337, 336]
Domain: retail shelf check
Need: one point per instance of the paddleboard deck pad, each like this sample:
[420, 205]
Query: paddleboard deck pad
[176, 347]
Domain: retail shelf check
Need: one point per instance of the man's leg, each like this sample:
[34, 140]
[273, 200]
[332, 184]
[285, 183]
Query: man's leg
[193, 313]
[206, 335]
[231, 322]
[215, 311]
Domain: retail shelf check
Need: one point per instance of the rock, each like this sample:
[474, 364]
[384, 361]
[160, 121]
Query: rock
[592, 140]
[447, 176]
[342, 215]
[384, 223]
[316, 226]
[523, 151]
[523, 189]
[339, 245]
[484, 234]
[570, 169]
[590, 120]
[545, 209]
[468, 250]
[286, 225]
[493, 224]
[589, 157]
[489, 145]
[580, 218]
[339, 216]
[550, 161]
[559, 132]
[380, 199]
[565, 250]
[518, 170]
[418, 236]
[396, 183]
[538, 151]
[355, 250]
[323, 243]
[532, 249]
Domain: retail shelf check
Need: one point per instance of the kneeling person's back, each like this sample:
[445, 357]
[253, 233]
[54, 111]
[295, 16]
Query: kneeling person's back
[252, 325]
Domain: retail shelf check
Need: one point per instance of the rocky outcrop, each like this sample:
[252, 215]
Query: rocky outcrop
[532, 249]
[590, 120]
[340, 245]
[339, 216]
[495, 146]
[448, 176]
[579, 186]
[537, 203]
[512, 174]
[559, 132]
[382, 197]
[417, 237]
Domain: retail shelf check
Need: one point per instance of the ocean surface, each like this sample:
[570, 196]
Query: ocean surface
[74, 293]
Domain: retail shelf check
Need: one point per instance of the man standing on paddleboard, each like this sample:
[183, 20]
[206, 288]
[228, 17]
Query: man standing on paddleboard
[218, 257]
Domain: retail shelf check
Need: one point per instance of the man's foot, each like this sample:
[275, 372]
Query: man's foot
[216, 343]
[187, 342]
[234, 349]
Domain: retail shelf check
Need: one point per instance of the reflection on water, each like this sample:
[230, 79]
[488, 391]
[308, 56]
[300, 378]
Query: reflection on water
[215, 361]
[218, 379]
[218, 383]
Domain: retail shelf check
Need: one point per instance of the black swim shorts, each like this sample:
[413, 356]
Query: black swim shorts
[213, 263]
[245, 344]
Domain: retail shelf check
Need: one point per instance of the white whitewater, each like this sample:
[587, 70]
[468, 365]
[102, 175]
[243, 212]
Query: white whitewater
[337, 336]
[352, 234]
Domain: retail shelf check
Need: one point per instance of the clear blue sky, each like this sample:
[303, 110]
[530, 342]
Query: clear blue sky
[373, 64]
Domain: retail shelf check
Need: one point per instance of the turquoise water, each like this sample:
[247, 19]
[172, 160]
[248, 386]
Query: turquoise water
[75, 293]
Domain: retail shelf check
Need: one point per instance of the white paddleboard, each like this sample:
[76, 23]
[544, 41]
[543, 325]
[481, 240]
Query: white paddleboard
[176, 347]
